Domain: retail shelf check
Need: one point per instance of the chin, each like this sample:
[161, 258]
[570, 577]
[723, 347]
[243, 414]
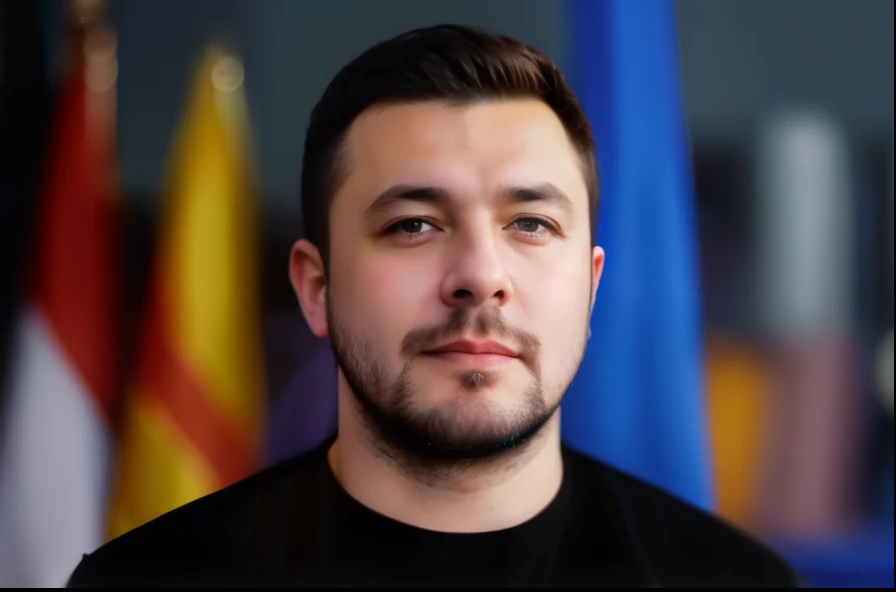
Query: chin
[472, 397]
[475, 431]
[474, 413]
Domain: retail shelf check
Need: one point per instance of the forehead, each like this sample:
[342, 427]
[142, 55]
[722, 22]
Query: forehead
[468, 149]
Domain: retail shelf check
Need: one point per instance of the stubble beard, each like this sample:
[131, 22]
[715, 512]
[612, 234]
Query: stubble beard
[443, 441]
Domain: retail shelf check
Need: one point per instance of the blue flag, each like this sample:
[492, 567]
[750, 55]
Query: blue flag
[637, 402]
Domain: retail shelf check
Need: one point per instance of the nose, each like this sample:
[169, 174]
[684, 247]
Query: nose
[478, 275]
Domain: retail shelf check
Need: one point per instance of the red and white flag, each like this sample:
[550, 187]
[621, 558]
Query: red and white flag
[56, 442]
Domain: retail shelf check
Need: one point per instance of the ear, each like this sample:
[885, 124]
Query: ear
[597, 270]
[306, 273]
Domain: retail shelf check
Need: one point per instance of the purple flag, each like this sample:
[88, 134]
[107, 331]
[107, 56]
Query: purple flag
[304, 414]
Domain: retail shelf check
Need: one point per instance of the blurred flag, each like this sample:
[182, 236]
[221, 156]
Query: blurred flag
[25, 109]
[57, 433]
[738, 376]
[306, 412]
[637, 401]
[807, 318]
[194, 411]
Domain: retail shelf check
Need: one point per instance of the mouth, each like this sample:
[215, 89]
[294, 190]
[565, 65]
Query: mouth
[473, 354]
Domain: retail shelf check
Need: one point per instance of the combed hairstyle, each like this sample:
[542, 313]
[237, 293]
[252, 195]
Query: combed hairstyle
[453, 63]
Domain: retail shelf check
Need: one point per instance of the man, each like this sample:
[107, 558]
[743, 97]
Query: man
[449, 193]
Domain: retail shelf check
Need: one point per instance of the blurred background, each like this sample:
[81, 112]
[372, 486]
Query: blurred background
[152, 350]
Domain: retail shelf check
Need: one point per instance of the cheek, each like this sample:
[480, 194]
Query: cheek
[384, 295]
[555, 295]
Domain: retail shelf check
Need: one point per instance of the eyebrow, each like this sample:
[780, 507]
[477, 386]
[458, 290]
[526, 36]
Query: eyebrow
[547, 193]
[407, 193]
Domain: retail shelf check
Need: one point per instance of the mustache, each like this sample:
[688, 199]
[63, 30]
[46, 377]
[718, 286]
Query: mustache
[483, 324]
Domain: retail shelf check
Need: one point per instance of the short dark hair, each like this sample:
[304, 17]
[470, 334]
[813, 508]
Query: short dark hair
[446, 62]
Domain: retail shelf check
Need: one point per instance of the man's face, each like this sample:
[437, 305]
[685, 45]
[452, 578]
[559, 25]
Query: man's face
[461, 273]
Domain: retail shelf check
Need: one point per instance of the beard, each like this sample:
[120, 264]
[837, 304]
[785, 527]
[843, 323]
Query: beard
[463, 432]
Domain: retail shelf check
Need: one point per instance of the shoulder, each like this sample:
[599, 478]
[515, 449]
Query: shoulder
[201, 541]
[677, 542]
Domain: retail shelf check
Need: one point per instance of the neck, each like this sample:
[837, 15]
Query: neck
[500, 494]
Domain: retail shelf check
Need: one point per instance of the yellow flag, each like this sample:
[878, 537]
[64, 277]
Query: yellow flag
[194, 414]
[737, 379]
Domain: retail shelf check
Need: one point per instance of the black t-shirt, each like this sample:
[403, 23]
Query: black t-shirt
[294, 525]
